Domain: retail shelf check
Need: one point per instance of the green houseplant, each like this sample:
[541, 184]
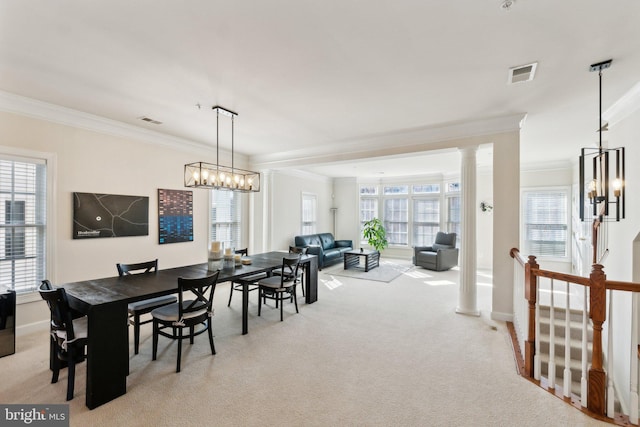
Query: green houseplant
[375, 234]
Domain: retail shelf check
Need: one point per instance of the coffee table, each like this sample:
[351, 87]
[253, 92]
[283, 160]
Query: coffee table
[352, 259]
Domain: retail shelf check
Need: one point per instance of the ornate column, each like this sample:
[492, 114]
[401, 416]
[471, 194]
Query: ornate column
[467, 295]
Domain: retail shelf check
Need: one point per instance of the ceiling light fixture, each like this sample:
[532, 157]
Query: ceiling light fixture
[217, 176]
[595, 167]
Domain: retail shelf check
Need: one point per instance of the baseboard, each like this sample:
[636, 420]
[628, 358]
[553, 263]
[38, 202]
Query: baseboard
[504, 317]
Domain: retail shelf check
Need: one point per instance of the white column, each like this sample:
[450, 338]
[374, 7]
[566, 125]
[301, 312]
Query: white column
[467, 295]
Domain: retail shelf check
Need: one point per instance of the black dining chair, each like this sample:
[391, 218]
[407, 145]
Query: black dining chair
[139, 308]
[186, 313]
[299, 279]
[250, 280]
[68, 335]
[282, 287]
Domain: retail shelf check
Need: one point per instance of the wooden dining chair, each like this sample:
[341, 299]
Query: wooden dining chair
[194, 308]
[250, 280]
[139, 308]
[282, 287]
[299, 278]
[68, 335]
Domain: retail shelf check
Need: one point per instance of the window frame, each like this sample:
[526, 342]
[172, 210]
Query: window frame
[308, 225]
[566, 190]
[50, 162]
[235, 222]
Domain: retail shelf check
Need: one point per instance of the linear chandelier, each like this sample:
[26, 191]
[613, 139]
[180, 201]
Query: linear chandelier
[217, 176]
[596, 164]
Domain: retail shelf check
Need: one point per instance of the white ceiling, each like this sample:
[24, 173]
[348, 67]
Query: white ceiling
[309, 75]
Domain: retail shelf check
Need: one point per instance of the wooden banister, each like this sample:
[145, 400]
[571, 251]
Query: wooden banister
[563, 277]
[531, 294]
[622, 286]
[597, 379]
[515, 254]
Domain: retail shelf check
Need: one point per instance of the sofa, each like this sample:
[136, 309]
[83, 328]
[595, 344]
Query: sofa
[440, 256]
[325, 247]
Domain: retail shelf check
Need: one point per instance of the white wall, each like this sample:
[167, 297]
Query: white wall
[619, 264]
[286, 205]
[88, 161]
[484, 225]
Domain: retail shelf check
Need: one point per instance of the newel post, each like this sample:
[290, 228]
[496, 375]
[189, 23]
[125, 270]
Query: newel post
[530, 293]
[596, 400]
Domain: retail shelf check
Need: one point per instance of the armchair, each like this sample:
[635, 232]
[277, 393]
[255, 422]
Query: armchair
[440, 256]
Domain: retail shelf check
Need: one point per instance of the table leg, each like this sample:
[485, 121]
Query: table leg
[311, 281]
[107, 354]
[245, 307]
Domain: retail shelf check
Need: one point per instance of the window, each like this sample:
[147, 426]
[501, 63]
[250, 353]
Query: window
[396, 220]
[453, 215]
[226, 215]
[426, 189]
[426, 221]
[368, 211]
[23, 189]
[545, 222]
[308, 214]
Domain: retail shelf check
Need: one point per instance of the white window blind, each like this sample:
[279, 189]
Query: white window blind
[426, 221]
[368, 211]
[22, 223]
[545, 223]
[396, 222]
[226, 218]
[453, 215]
[308, 214]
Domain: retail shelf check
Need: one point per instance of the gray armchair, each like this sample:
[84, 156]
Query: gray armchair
[440, 256]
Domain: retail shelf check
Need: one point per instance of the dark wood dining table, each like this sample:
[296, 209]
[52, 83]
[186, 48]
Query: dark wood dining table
[105, 301]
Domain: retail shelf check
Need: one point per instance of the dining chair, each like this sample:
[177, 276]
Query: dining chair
[186, 313]
[68, 335]
[282, 287]
[139, 308]
[299, 279]
[250, 280]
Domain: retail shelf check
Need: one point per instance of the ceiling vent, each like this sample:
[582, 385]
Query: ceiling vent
[147, 119]
[523, 73]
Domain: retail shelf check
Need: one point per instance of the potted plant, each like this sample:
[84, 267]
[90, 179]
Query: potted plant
[375, 234]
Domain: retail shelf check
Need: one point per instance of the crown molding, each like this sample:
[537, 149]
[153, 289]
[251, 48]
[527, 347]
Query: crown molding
[404, 141]
[623, 107]
[29, 107]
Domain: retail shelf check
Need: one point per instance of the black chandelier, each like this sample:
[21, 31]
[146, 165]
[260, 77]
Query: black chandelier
[217, 176]
[605, 192]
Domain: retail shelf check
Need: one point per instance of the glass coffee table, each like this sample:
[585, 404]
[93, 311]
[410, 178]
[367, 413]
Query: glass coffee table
[352, 259]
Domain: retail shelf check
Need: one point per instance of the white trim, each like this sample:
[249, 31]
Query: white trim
[51, 161]
[623, 107]
[503, 317]
[29, 107]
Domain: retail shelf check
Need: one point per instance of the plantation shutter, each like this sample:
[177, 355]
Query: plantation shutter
[545, 223]
[226, 218]
[22, 223]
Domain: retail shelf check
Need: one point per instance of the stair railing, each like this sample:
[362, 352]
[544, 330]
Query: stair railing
[597, 391]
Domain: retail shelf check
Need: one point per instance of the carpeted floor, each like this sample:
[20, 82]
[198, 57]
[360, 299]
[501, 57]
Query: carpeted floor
[366, 353]
[386, 272]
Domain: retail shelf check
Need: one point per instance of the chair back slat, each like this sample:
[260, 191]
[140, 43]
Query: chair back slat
[243, 252]
[61, 317]
[141, 267]
[290, 267]
[202, 289]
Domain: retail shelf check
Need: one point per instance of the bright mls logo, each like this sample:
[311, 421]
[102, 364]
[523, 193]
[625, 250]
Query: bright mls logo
[34, 415]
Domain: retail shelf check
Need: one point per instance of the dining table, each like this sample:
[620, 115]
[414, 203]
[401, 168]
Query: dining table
[104, 301]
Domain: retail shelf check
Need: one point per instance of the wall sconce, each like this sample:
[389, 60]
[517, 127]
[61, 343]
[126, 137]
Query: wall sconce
[485, 207]
[596, 165]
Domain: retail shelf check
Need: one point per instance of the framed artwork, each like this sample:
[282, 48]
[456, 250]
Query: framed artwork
[175, 216]
[109, 215]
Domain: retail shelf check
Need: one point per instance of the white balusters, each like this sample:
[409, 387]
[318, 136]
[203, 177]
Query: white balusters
[585, 361]
[567, 346]
[611, 395]
[552, 341]
[633, 404]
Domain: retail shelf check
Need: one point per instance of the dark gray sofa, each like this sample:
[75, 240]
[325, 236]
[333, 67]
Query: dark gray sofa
[327, 249]
[440, 256]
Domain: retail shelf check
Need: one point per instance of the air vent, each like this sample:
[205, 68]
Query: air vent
[523, 73]
[147, 119]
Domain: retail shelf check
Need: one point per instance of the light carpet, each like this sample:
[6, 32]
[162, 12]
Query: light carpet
[365, 354]
[385, 272]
